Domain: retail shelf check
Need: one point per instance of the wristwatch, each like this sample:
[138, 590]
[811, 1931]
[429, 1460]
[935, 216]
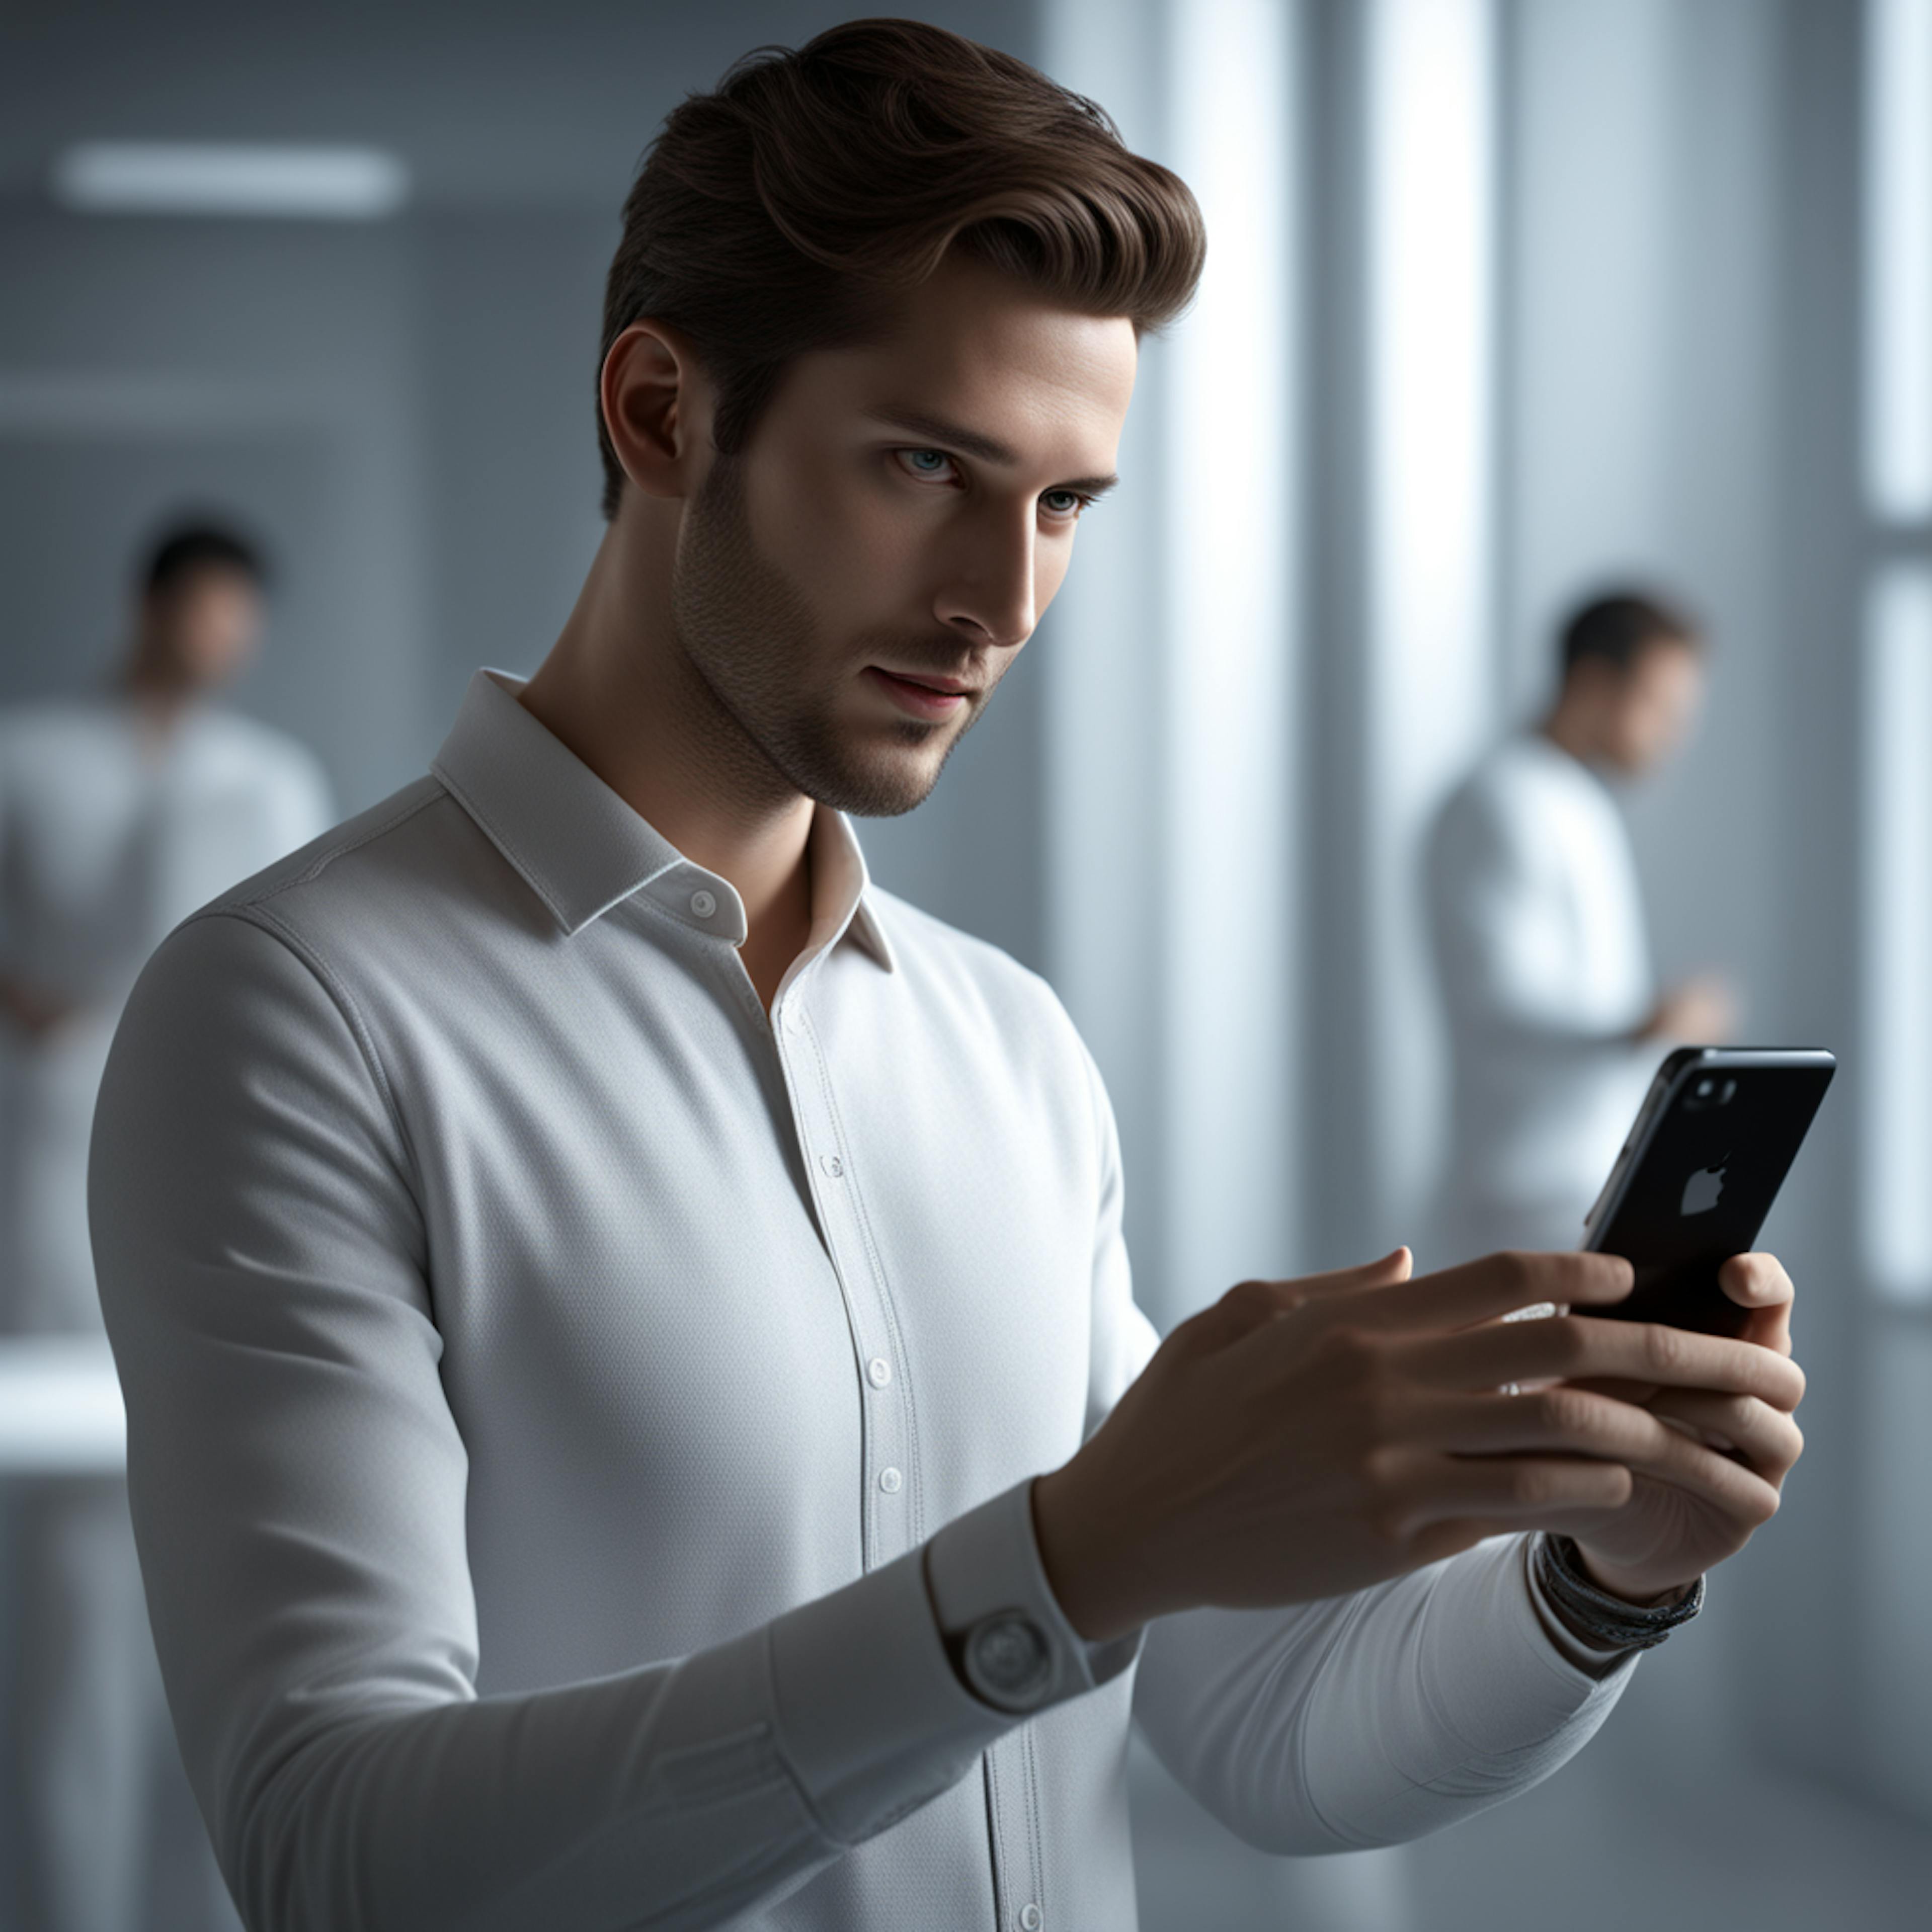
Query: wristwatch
[1004, 1632]
[1596, 1616]
[1006, 1660]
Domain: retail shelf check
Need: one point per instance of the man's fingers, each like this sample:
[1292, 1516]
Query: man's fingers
[1558, 1420]
[1755, 1281]
[1248, 1305]
[1741, 1427]
[1677, 1440]
[1391, 1268]
[1532, 1491]
[1740, 1494]
[1572, 1348]
[1561, 1420]
[1498, 1284]
[1542, 1488]
[1759, 1283]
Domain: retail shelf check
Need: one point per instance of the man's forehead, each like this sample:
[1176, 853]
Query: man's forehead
[995, 376]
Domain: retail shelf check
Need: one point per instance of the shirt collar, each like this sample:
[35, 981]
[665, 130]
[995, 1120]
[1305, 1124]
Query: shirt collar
[582, 850]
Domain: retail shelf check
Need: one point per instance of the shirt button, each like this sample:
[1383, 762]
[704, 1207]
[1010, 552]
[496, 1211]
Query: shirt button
[831, 1164]
[878, 1372]
[891, 1481]
[704, 905]
[795, 1016]
[1030, 1920]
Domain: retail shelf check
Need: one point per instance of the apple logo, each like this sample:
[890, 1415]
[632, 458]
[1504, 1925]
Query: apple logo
[1702, 1189]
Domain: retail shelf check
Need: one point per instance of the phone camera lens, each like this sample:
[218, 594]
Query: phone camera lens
[1709, 1093]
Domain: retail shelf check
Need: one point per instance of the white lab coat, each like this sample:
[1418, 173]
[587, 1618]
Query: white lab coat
[108, 839]
[1545, 972]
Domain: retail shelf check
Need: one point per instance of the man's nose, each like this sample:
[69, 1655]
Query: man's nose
[989, 592]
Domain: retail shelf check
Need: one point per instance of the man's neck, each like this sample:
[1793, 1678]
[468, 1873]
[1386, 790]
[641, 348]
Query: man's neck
[617, 689]
[160, 699]
[1568, 732]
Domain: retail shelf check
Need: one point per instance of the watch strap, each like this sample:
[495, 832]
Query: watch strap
[1599, 1618]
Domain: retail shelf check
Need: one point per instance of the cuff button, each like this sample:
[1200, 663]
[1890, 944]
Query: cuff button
[1008, 1661]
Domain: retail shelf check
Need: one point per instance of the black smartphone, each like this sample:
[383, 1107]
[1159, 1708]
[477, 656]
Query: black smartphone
[1713, 1140]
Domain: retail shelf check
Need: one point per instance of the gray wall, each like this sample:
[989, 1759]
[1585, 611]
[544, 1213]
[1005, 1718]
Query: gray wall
[270, 368]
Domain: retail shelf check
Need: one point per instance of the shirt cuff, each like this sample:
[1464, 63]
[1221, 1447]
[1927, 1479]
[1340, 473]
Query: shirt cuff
[987, 1563]
[873, 1721]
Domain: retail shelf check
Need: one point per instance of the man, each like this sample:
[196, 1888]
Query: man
[120, 813]
[1555, 1023]
[596, 1281]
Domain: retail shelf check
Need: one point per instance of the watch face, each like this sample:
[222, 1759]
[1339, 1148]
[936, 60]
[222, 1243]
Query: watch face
[1009, 1660]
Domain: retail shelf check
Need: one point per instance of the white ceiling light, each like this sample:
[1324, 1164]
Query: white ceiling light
[206, 177]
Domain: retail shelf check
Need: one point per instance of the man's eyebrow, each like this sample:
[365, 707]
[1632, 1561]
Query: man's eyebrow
[971, 442]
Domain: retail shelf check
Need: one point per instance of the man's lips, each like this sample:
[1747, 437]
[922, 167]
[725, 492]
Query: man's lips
[926, 696]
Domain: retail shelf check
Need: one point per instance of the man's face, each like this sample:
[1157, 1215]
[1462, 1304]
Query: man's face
[1654, 705]
[853, 585]
[204, 626]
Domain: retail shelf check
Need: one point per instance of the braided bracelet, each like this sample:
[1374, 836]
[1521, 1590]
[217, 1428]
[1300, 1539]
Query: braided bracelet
[1596, 1616]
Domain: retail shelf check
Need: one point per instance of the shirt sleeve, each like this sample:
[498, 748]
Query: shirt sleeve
[298, 1481]
[1370, 1719]
[1362, 1721]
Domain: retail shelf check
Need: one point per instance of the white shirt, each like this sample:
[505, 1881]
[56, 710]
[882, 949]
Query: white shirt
[108, 838]
[567, 1408]
[1545, 975]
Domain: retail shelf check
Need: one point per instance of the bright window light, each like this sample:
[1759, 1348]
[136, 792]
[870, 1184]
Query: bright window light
[185, 178]
[1898, 258]
[1898, 1007]
[1231, 440]
[1431, 259]
[60, 1408]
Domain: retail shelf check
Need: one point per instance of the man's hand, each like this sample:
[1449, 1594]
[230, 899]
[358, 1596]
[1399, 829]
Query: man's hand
[1303, 1438]
[31, 1009]
[1670, 1532]
[1703, 1010]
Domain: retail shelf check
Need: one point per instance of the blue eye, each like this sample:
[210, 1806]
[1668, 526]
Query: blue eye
[925, 462]
[1063, 502]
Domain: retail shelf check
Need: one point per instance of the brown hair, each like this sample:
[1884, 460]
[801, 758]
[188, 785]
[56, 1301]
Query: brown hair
[1615, 627]
[782, 212]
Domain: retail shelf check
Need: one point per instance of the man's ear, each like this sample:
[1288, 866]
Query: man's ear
[657, 402]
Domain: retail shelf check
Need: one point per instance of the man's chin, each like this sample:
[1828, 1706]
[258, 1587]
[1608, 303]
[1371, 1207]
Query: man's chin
[884, 784]
[876, 794]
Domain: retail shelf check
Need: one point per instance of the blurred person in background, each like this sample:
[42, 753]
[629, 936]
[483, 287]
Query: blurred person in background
[1555, 1020]
[121, 811]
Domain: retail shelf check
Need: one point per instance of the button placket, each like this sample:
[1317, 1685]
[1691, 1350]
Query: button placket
[887, 1478]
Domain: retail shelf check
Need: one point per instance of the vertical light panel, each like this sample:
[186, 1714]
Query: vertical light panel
[1898, 259]
[1101, 657]
[1231, 446]
[1896, 1172]
[1429, 121]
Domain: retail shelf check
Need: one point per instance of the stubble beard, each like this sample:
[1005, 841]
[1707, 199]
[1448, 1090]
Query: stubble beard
[748, 633]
